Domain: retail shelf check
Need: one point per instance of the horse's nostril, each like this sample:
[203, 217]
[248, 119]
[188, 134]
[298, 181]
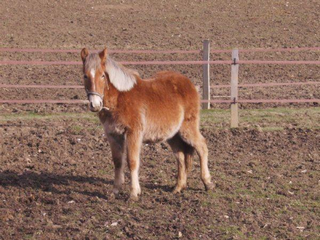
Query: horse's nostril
[91, 105]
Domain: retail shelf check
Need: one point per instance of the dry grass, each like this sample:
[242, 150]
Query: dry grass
[269, 119]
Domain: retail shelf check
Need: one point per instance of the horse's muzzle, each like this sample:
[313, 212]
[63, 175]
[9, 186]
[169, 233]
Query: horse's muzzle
[95, 103]
[94, 108]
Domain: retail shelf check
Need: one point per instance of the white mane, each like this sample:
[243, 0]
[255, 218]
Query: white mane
[121, 78]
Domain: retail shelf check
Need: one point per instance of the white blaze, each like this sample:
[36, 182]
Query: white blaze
[93, 73]
[95, 100]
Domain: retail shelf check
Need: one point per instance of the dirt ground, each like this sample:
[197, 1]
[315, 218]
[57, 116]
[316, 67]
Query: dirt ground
[56, 183]
[56, 173]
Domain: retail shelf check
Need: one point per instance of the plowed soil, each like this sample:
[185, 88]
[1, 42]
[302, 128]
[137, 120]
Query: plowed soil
[56, 183]
[56, 173]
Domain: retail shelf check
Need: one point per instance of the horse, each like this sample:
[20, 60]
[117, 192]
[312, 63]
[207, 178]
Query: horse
[133, 110]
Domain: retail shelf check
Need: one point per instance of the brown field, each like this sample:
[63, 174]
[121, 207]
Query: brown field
[55, 166]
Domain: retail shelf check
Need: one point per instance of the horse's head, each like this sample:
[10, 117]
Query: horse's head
[94, 77]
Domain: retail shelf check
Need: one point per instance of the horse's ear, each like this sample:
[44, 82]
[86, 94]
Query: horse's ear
[103, 54]
[84, 54]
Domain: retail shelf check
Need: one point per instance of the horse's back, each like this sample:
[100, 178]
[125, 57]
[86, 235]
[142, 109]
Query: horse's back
[177, 85]
[184, 92]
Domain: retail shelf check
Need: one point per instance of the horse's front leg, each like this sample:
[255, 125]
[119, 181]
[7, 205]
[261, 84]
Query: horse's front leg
[117, 144]
[134, 142]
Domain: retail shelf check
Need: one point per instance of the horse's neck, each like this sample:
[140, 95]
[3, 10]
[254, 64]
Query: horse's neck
[111, 95]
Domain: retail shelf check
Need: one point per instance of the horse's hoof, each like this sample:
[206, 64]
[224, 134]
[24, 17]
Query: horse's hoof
[178, 189]
[133, 198]
[114, 196]
[209, 186]
[115, 191]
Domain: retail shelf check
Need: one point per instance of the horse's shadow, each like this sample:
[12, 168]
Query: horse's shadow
[47, 182]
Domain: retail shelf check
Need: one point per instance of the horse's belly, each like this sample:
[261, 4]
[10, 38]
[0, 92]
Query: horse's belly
[159, 133]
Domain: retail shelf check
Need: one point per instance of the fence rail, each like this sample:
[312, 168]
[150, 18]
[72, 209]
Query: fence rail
[228, 62]
[265, 101]
[43, 101]
[39, 86]
[32, 101]
[35, 50]
[212, 86]
[267, 84]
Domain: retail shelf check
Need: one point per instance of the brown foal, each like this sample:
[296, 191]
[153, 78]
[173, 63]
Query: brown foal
[133, 111]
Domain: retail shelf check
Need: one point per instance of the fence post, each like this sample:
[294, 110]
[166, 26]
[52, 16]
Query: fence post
[234, 89]
[206, 74]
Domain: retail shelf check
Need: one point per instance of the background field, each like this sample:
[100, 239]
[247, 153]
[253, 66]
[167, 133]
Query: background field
[55, 166]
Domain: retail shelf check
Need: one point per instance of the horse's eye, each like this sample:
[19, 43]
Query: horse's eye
[85, 77]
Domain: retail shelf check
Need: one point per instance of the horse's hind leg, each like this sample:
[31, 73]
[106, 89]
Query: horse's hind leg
[183, 153]
[117, 150]
[190, 133]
